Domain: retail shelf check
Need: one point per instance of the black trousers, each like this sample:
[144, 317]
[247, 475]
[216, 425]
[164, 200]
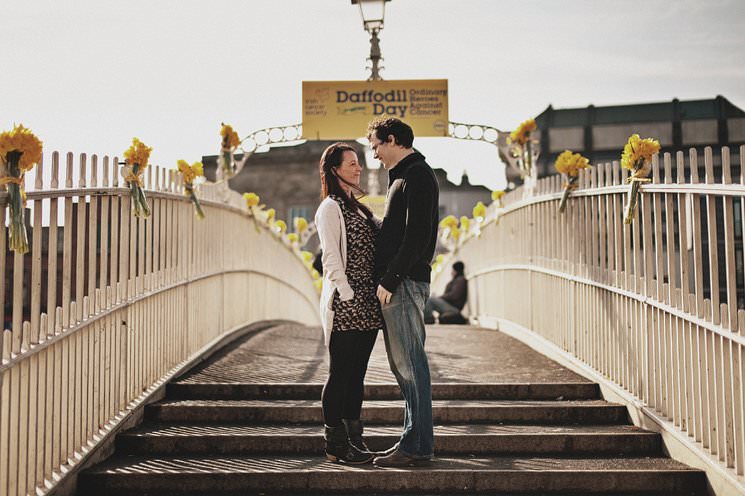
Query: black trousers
[349, 353]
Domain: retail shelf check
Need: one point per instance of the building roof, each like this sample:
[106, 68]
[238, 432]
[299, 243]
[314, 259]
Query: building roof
[715, 108]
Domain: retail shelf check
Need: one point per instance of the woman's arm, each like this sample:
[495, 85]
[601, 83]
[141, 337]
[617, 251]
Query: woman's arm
[328, 224]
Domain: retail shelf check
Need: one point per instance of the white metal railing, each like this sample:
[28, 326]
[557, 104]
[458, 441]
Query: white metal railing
[634, 302]
[107, 305]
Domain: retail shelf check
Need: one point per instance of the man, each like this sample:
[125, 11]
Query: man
[452, 300]
[404, 249]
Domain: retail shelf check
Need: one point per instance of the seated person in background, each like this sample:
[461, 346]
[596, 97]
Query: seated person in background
[452, 301]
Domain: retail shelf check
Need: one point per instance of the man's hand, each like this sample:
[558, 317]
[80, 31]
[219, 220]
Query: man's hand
[384, 295]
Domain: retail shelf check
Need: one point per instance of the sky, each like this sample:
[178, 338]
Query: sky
[88, 75]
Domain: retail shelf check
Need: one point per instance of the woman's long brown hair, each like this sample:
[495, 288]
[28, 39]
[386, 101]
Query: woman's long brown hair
[331, 159]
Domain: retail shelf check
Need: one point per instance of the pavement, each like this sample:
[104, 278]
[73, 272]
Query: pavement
[294, 353]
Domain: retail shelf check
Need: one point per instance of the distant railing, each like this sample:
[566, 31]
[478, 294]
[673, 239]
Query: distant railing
[106, 306]
[656, 306]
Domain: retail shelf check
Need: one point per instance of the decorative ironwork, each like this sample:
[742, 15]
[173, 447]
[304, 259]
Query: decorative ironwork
[498, 138]
[474, 132]
[261, 140]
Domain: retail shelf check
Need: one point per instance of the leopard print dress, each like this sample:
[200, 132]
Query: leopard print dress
[361, 313]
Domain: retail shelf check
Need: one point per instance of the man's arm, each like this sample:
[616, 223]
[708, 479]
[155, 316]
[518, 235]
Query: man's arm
[420, 192]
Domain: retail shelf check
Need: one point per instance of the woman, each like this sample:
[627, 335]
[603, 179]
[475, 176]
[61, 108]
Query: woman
[349, 307]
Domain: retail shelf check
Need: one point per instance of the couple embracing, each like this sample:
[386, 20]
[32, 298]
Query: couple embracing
[376, 276]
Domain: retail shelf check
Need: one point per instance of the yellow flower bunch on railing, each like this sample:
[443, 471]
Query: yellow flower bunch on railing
[279, 227]
[465, 224]
[637, 157]
[190, 173]
[269, 216]
[307, 258]
[523, 146]
[301, 230]
[20, 151]
[449, 228]
[437, 264]
[570, 164]
[136, 159]
[301, 225]
[252, 204]
[479, 212]
[252, 200]
[521, 135]
[496, 197]
[449, 221]
[226, 165]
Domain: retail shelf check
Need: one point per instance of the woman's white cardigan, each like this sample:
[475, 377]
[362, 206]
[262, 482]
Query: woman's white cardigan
[332, 233]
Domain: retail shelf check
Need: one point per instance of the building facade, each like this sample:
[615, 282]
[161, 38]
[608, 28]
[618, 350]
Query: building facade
[600, 133]
[287, 179]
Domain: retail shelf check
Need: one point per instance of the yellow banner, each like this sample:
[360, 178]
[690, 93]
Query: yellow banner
[342, 109]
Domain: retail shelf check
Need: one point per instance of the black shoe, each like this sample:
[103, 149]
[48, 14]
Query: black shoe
[354, 434]
[338, 448]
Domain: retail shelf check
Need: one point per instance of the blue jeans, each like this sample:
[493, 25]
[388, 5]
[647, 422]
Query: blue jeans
[404, 343]
[437, 304]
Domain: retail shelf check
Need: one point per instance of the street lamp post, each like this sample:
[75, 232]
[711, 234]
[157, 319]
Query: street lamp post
[373, 13]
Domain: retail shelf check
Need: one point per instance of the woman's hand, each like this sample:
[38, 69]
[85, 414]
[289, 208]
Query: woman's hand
[384, 295]
[346, 293]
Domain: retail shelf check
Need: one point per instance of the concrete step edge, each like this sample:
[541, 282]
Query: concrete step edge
[388, 391]
[409, 480]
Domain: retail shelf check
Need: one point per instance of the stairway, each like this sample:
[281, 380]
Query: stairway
[244, 438]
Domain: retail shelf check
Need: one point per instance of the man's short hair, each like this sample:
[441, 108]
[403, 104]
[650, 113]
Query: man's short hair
[459, 267]
[386, 126]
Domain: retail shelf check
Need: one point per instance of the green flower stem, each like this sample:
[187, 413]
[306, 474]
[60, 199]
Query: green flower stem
[633, 194]
[228, 165]
[567, 190]
[193, 197]
[139, 202]
[632, 200]
[17, 235]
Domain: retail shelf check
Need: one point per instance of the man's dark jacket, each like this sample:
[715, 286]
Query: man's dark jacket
[406, 242]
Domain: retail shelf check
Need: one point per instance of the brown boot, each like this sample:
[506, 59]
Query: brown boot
[398, 459]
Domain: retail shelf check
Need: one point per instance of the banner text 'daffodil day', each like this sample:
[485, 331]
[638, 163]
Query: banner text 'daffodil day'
[342, 109]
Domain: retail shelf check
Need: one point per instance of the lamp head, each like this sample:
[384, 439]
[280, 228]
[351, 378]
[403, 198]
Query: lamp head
[372, 12]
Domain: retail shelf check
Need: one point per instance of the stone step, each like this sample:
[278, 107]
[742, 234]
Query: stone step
[179, 439]
[440, 391]
[588, 412]
[399, 493]
[444, 475]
